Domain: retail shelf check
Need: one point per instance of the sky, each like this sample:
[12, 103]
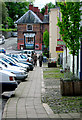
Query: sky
[42, 3]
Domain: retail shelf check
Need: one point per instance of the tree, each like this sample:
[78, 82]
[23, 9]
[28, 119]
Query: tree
[43, 10]
[4, 13]
[17, 9]
[9, 22]
[46, 38]
[70, 26]
[50, 5]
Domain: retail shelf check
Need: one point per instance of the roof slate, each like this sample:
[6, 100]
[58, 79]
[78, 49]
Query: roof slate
[29, 17]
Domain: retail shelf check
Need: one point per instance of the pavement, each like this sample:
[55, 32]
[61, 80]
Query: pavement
[0, 108]
[26, 104]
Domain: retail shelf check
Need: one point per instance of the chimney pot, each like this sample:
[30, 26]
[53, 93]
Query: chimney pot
[46, 10]
[31, 7]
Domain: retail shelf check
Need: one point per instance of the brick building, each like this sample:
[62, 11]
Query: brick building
[31, 27]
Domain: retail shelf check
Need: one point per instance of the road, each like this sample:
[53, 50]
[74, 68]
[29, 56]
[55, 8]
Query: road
[10, 44]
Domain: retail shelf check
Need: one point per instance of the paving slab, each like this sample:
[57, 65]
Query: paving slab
[75, 115]
[27, 100]
[65, 116]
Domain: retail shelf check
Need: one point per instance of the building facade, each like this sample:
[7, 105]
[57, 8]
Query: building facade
[53, 32]
[31, 27]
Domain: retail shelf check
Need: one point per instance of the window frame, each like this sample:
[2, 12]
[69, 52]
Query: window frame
[27, 27]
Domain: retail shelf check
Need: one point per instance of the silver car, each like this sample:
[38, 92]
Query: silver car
[7, 81]
[2, 39]
[20, 74]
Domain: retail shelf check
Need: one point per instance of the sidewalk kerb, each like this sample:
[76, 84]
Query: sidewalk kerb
[48, 109]
[43, 85]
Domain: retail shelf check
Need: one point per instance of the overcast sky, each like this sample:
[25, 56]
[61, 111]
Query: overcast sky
[42, 3]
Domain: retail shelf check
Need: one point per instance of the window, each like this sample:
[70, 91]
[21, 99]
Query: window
[30, 40]
[29, 27]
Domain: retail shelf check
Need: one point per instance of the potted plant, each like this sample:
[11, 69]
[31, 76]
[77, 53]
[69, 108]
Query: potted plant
[52, 62]
[70, 85]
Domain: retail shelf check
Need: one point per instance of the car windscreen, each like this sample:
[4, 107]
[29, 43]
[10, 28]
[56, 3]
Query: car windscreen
[15, 59]
[12, 60]
[23, 56]
[8, 61]
[15, 56]
[3, 64]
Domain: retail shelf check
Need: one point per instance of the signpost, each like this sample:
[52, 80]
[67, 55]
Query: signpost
[59, 49]
[60, 44]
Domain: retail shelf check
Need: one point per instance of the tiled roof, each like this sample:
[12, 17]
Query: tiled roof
[29, 17]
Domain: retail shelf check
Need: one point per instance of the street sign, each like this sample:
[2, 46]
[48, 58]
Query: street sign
[60, 42]
[59, 49]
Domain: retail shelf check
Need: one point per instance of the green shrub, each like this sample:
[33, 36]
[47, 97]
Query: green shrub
[7, 30]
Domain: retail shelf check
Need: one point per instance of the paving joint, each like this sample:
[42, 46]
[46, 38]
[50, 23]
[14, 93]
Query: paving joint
[27, 100]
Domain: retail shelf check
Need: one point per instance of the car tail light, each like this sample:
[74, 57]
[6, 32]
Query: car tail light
[27, 60]
[11, 78]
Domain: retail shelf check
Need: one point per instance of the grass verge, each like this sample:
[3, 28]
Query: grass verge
[52, 96]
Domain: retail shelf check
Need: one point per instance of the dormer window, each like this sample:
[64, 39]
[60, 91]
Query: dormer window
[29, 28]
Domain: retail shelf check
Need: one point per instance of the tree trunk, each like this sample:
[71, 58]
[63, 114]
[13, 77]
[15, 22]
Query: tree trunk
[66, 55]
[77, 62]
[73, 61]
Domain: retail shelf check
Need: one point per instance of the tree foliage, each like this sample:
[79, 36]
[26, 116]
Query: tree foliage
[70, 25]
[50, 5]
[4, 13]
[16, 9]
[9, 22]
[46, 38]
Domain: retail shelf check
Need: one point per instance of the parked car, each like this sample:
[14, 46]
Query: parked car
[29, 59]
[52, 62]
[2, 39]
[13, 64]
[20, 74]
[7, 81]
[31, 66]
[2, 50]
[28, 52]
[20, 57]
[18, 64]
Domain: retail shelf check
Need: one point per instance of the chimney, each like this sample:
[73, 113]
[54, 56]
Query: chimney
[31, 7]
[46, 10]
[36, 9]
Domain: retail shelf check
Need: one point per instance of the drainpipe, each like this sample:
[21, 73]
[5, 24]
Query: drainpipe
[24, 42]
